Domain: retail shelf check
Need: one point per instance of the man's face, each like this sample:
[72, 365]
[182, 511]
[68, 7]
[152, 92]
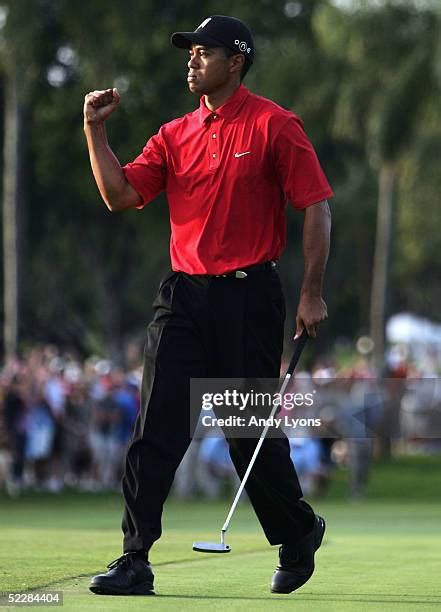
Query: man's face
[209, 69]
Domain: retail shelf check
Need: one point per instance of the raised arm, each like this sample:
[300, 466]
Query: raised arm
[115, 190]
[316, 238]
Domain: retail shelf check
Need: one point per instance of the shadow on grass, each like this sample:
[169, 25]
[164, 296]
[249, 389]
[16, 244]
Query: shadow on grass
[342, 598]
[377, 598]
[196, 559]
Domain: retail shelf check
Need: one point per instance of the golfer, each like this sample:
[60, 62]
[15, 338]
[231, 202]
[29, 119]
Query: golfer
[228, 169]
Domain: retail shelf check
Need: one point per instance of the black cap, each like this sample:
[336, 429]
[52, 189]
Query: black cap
[218, 31]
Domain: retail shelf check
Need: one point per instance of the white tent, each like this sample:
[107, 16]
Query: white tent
[409, 329]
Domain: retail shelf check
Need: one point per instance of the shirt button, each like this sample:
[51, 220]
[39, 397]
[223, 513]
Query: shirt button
[214, 155]
[214, 116]
[214, 136]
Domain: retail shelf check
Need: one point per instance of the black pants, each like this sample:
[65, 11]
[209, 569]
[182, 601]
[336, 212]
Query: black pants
[209, 327]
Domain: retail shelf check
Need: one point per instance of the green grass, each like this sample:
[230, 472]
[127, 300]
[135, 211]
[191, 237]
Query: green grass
[378, 554]
[411, 477]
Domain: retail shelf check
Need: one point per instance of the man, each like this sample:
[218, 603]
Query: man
[228, 170]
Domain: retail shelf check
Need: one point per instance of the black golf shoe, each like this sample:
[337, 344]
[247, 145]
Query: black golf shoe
[130, 574]
[296, 562]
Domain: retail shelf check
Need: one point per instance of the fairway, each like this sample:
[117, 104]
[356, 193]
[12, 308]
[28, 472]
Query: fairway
[375, 555]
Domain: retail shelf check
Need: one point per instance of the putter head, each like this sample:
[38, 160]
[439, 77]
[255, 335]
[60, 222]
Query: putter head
[211, 547]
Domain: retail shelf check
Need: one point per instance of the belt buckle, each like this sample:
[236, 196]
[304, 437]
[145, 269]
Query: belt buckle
[236, 274]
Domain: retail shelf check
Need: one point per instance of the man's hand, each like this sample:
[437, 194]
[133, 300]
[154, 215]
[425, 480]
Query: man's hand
[311, 311]
[99, 105]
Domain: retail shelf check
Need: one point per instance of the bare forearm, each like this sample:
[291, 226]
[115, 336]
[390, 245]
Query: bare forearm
[115, 190]
[312, 309]
[316, 240]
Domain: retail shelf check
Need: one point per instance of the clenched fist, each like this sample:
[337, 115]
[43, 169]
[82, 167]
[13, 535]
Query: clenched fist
[99, 105]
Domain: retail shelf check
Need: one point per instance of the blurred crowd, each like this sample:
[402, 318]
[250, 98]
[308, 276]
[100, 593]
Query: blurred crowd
[66, 422]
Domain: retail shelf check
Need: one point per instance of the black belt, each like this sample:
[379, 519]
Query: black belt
[241, 272]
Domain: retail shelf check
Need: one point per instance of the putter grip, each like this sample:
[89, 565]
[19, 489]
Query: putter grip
[300, 344]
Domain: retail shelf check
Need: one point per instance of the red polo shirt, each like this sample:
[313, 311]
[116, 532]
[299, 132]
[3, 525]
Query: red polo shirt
[228, 176]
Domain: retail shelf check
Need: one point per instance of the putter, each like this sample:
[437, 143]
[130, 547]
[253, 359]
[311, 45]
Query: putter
[222, 547]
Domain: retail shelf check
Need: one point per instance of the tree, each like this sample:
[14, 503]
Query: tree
[22, 56]
[386, 54]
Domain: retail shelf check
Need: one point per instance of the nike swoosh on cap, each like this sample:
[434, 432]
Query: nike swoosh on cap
[240, 154]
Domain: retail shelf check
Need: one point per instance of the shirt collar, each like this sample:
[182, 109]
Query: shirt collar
[229, 109]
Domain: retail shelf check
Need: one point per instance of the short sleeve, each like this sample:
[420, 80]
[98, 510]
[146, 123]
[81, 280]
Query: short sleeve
[300, 174]
[148, 172]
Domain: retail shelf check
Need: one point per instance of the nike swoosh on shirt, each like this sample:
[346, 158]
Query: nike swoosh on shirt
[240, 154]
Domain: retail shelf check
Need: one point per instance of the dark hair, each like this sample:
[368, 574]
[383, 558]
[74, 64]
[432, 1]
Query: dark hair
[247, 64]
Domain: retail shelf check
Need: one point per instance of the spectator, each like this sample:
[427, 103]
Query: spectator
[14, 432]
[214, 467]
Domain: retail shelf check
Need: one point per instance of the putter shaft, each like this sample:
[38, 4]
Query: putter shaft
[297, 352]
